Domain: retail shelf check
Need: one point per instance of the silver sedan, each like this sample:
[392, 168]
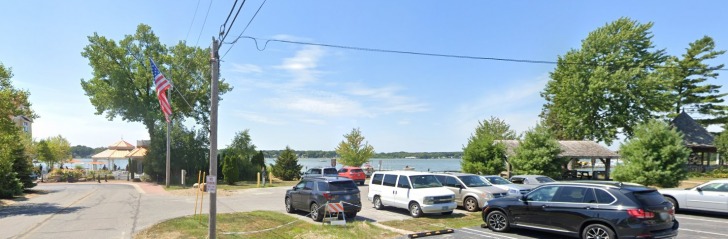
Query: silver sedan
[710, 196]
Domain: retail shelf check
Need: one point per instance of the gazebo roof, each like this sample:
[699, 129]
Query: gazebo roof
[111, 154]
[137, 153]
[570, 149]
[694, 135]
[122, 145]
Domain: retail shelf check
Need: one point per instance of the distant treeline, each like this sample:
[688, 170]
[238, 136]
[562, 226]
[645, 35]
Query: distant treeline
[332, 154]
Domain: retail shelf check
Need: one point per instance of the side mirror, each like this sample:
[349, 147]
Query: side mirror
[460, 186]
[524, 198]
[699, 189]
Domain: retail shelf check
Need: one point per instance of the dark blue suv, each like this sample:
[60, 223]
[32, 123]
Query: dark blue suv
[312, 194]
[586, 210]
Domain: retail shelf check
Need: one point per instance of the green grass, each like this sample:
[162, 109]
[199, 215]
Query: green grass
[432, 222]
[260, 224]
[241, 185]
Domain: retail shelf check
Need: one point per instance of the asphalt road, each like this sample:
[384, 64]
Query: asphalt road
[86, 210]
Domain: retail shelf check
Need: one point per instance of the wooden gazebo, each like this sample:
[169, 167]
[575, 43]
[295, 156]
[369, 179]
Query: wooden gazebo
[573, 150]
[699, 140]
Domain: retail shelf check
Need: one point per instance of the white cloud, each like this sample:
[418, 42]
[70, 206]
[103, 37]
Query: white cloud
[388, 100]
[324, 104]
[259, 118]
[246, 68]
[303, 66]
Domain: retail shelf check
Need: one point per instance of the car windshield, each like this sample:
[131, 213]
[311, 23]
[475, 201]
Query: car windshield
[330, 171]
[473, 181]
[356, 170]
[337, 186]
[424, 181]
[497, 180]
[545, 180]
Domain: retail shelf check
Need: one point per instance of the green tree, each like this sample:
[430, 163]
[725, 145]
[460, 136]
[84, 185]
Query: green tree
[286, 166]
[721, 141]
[607, 86]
[538, 154]
[258, 161]
[60, 151]
[353, 151]
[22, 165]
[122, 82]
[243, 150]
[483, 155]
[230, 170]
[82, 151]
[688, 86]
[655, 156]
[13, 102]
[189, 151]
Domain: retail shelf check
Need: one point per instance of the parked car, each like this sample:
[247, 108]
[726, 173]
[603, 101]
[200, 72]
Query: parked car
[512, 188]
[321, 172]
[471, 191]
[586, 210]
[417, 192]
[531, 179]
[711, 196]
[312, 193]
[354, 173]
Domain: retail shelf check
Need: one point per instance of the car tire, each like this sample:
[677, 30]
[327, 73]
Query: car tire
[598, 231]
[498, 221]
[471, 204]
[361, 183]
[378, 203]
[674, 202]
[415, 209]
[447, 213]
[350, 215]
[316, 213]
[289, 206]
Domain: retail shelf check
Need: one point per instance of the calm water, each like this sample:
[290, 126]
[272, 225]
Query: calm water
[387, 164]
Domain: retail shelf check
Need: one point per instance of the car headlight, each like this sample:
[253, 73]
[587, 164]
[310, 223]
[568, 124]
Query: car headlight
[429, 200]
[513, 191]
[487, 196]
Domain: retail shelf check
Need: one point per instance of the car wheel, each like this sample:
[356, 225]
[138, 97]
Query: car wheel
[470, 204]
[289, 206]
[378, 203]
[350, 215]
[316, 214]
[361, 183]
[674, 202]
[597, 231]
[447, 213]
[497, 221]
[415, 210]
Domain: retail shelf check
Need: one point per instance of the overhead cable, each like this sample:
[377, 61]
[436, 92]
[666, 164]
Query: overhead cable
[246, 28]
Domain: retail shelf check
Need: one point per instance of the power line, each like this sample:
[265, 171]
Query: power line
[233, 22]
[266, 41]
[193, 21]
[229, 14]
[246, 28]
[203, 23]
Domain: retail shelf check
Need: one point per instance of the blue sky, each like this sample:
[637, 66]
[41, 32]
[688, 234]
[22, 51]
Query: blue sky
[308, 97]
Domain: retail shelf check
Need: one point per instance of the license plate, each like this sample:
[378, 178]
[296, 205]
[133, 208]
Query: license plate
[347, 197]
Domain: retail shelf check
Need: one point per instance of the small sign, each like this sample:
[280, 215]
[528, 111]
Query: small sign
[211, 184]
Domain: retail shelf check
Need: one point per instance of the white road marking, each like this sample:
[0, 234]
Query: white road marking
[711, 233]
[487, 233]
[478, 234]
[700, 219]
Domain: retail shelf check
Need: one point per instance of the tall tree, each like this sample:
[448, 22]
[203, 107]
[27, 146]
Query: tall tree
[607, 86]
[688, 86]
[353, 150]
[122, 84]
[190, 151]
[483, 155]
[655, 156]
[286, 166]
[22, 165]
[538, 153]
[60, 150]
[229, 169]
[13, 102]
[243, 150]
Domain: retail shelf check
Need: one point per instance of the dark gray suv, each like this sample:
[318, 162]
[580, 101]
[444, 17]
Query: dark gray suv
[312, 194]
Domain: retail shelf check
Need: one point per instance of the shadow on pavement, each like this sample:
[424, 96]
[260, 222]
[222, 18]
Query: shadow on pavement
[720, 215]
[36, 209]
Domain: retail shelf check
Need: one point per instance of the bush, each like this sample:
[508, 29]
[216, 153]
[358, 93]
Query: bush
[145, 178]
[286, 166]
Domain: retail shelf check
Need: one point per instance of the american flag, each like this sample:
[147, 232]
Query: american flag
[162, 84]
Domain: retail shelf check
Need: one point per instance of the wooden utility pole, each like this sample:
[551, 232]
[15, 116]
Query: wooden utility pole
[215, 61]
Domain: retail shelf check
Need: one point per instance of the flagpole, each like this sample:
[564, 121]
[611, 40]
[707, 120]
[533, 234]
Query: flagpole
[168, 176]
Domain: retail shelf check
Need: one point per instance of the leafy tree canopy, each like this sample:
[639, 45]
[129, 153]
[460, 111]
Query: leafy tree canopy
[483, 155]
[655, 156]
[607, 86]
[538, 154]
[353, 151]
[286, 166]
[13, 102]
[122, 82]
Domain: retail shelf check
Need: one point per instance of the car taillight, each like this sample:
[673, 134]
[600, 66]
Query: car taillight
[328, 196]
[641, 214]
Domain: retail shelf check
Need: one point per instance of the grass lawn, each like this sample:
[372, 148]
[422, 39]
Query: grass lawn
[260, 224]
[241, 185]
[432, 222]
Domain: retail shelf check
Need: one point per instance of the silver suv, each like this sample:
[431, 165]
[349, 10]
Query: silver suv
[321, 172]
[471, 191]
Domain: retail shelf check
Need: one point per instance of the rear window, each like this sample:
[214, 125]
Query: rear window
[545, 180]
[330, 171]
[649, 198]
[473, 181]
[497, 180]
[337, 186]
[377, 179]
[356, 170]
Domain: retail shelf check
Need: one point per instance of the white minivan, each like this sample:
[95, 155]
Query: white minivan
[419, 192]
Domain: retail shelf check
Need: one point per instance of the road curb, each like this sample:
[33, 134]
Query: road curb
[397, 230]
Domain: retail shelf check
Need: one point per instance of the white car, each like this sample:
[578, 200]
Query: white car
[512, 188]
[710, 196]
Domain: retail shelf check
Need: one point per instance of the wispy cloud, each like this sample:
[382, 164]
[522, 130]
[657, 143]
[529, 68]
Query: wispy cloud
[246, 68]
[302, 66]
[259, 118]
[388, 99]
[321, 103]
